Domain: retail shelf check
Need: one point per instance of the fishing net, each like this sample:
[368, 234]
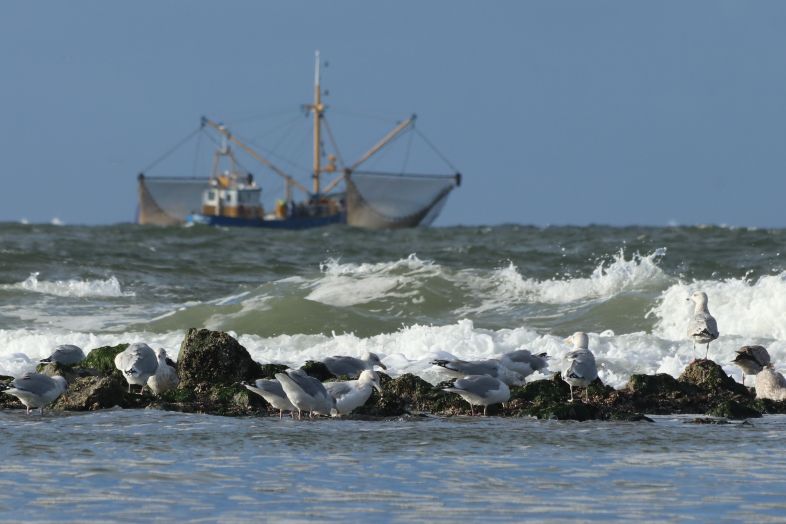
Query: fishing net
[383, 200]
[168, 200]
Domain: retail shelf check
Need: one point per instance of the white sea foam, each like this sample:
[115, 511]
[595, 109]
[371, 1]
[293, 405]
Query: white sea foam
[109, 287]
[742, 307]
[350, 284]
[411, 349]
[21, 349]
[508, 286]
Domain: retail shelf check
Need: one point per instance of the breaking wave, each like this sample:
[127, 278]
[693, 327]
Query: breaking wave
[742, 307]
[109, 287]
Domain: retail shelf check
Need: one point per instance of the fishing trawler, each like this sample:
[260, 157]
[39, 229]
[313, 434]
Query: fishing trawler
[232, 197]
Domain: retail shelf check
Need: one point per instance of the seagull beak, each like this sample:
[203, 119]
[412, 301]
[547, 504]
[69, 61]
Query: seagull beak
[383, 366]
[377, 387]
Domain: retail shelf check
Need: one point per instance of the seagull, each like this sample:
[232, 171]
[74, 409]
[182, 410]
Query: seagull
[137, 364]
[351, 366]
[65, 355]
[165, 377]
[36, 390]
[770, 384]
[581, 369]
[523, 362]
[703, 328]
[751, 359]
[306, 393]
[491, 367]
[273, 393]
[480, 390]
[351, 394]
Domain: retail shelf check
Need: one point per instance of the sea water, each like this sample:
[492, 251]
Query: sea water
[410, 296]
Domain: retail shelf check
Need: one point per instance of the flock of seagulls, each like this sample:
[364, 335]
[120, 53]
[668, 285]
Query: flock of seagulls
[480, 383]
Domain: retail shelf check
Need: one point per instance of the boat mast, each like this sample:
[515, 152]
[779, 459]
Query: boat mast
[317, 109]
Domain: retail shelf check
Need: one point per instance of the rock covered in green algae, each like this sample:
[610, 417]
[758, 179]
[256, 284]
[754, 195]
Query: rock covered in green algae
[709, 377]
[94, 393]
[318, 370]
[410, 393]
[102, 360]
[213, 357]
[270, 370]
[731, 409]
[770, 407]
[211, 366]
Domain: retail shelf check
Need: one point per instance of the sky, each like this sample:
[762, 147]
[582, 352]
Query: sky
[555, 112]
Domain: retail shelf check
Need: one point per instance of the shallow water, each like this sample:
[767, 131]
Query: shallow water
[140, 465]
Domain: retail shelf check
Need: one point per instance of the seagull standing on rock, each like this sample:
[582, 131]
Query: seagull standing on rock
[703, 328]
[491, 367]
[351, 366]
[65, 355]
[581, 369]
[165, 377]
[351, 394]
[306, 393]
[273, 393]
[523, 362]
[770, 384]
[480, 390]
[137, 364]
[751, 359]
[35, 390]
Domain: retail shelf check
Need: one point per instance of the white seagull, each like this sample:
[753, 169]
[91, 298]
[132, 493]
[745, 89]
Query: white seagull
[523, 362]
[581, 369]
[703, 328]
[36, 390]
[770, 384]
[491, 367]
[137, 364]
[306, 393]
[751, 359]
[480, 390]
[351, 394]
[273, 393]
[65, 355]
[352, 366]
[165, 377]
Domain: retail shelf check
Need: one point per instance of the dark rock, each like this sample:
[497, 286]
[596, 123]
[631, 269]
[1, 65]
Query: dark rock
[318, 370]
[658, 384]
[102, 360]
[214, 358]
[93, 393]
[410, 393]
[770, 407]
[270, 370]
[709, 377]
[51, 369]
[703, 420]
[733, 410]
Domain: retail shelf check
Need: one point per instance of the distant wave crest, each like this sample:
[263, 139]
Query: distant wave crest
[109, 287]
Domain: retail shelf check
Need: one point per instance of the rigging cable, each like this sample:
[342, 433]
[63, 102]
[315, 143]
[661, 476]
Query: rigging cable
[333, 143]
[172, 150]
[434, 148]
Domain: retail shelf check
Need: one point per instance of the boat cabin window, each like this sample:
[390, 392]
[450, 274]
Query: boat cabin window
[211, 195]
[228, 198]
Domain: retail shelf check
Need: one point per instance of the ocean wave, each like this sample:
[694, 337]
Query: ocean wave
[345, 285]
[507, 286]
[109, 287]
[741, 306]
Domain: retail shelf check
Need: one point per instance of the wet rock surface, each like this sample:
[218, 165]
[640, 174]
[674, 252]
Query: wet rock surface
[212, 365]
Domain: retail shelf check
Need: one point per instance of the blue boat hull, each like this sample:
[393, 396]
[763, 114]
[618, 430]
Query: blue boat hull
[297, 222]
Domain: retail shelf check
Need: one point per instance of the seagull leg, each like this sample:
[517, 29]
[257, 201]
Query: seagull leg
[743, 379]
[707, 352]
[471, 410]
[586, 394]
[571, 392]
[280, 414]
[485, 409]
[28, 410]
[42, 410]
